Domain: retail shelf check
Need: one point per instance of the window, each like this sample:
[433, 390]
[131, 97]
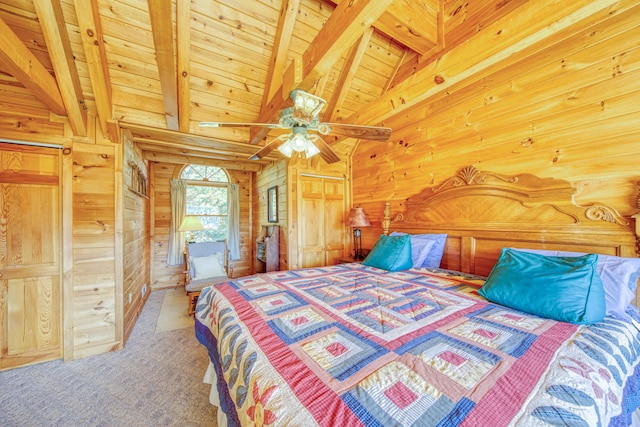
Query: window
[207, 198]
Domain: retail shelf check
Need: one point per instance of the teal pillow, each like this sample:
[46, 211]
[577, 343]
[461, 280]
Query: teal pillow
[391, 253]
[562, 288]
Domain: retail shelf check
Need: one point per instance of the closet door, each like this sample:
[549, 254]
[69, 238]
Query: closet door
[321, 219]
[30, 255]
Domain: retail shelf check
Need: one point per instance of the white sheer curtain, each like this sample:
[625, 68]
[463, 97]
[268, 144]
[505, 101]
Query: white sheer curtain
[176, 238]
[233, 206]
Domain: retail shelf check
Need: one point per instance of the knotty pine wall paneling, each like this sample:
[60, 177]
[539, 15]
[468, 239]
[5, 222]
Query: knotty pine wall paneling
[91, 181]
[97, 316]
[565, 108]
[135, 225]
[162, 274]
[274, 174]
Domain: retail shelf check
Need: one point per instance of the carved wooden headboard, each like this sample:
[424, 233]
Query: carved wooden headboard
[482, 212]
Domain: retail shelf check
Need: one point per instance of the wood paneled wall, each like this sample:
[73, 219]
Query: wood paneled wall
[97, 289]
[168, 276]
[91, 227]
[272, 175]
[135, 230]
[567, 109]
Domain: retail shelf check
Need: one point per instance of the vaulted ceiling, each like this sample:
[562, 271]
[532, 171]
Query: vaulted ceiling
[159, 67]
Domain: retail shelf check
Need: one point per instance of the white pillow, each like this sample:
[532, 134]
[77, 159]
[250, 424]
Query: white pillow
[208, 266]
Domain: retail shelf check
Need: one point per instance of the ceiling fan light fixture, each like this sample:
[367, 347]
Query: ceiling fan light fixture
[311, 150]
[306, 106]
[286, 149]
[299, 141]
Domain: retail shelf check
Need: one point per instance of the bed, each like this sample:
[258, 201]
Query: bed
[417, 344]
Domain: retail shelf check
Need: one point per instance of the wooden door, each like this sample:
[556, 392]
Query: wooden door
[321, 220]
[30, 255]
[334, 216]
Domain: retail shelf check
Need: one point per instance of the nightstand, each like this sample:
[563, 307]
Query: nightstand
[348, 259]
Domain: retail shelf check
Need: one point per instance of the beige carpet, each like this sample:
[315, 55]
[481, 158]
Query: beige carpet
[155, 380]
[173, 313]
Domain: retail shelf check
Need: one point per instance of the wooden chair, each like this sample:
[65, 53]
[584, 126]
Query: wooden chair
[206, 264]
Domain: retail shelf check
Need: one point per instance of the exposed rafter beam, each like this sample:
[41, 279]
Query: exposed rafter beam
[157, 156]
[18, 60]
[190, 141]
[412, 23]
[284, 32]
[395, 71]
[496, 46]
[55, 34]
[347, 23]
[347, 74]
[91, 33]
[162, 28]
[183, 37]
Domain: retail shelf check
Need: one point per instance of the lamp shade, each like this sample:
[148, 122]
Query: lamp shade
[191, 223]
[357, 218]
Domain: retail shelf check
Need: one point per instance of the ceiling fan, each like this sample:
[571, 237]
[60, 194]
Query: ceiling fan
[301, 118]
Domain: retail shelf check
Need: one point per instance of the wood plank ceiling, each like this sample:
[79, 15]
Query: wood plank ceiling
[159, 67]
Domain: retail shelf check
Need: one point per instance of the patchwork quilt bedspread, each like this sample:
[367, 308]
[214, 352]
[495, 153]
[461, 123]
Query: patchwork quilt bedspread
[351, 345]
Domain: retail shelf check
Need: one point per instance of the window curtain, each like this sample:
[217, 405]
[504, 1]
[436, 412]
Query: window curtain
[233, 204]
[175, 254]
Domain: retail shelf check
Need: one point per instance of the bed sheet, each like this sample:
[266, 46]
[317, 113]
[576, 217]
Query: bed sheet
[355, 345]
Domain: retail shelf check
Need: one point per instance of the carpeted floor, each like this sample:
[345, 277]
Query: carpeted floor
[156, 380]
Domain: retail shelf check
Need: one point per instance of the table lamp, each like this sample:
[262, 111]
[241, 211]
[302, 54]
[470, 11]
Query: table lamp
[357, 219]
[191, 223]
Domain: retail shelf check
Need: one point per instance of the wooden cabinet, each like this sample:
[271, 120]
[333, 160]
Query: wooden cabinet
[267, 249]
[321, 213]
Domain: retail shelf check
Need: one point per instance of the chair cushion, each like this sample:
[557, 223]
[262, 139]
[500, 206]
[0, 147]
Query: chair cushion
[201, 249]
[207, 266]
[198, 285]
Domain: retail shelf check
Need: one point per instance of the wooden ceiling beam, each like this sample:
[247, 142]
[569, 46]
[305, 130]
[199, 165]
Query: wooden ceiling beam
[55, 33]
[183, 36]
[146, 133]
[162, 29]
[412, 23]
[284, 33]
[88, 15]
[497, 45]
[18, 60]
[348, 72]
[345, 26]
[156, 156]
[162, 146]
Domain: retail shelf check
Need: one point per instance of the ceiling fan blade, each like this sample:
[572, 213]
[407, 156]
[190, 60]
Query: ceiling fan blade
[238, 124]
[326, 152]
[268, 148]
[375, 133]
